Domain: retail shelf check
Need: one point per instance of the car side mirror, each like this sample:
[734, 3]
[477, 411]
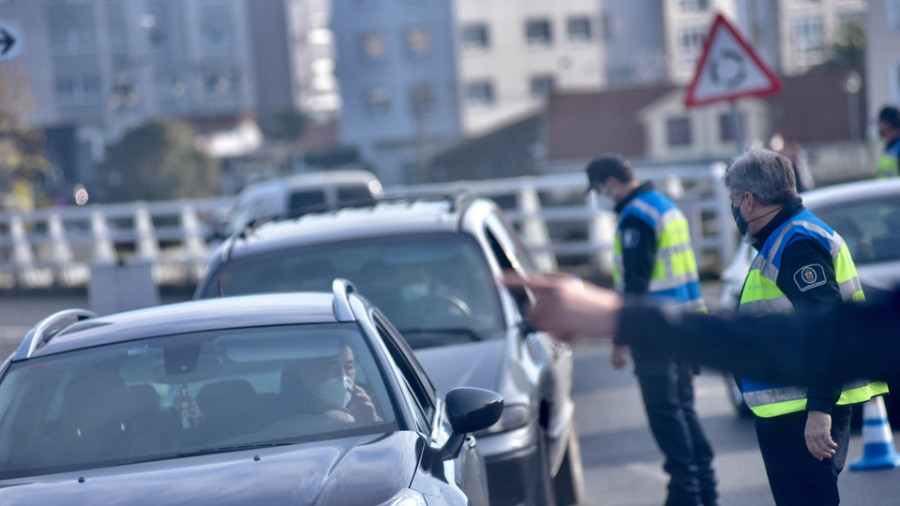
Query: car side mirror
[469, 410]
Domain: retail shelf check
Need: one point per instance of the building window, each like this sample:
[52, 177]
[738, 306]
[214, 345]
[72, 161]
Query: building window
[690, 44]
[73, 40]
[726, 127]
[217, 29]
[542, 85]
[538, 32]
[678, 131]
[219, 84]
[78, 91]
[480, 93]
[476, 36]
[421, 98]
[579, 29]
[374, 46]
[693, 5]
[377, 100]
[418, 41]
[319, 36]
[809, 40]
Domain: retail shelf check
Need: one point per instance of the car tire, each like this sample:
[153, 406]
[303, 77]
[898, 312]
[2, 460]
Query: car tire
[736, 398]
[568, 484]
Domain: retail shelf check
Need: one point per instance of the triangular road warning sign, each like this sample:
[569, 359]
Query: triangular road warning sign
[728, 69]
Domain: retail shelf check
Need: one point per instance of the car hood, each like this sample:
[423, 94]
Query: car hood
[364, 470]
[472, 364]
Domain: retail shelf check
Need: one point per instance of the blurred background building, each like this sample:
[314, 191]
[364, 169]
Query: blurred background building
[422, 90]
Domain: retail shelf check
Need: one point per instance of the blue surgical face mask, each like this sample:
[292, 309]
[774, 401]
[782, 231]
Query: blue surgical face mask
[414, 291]
[335, 392]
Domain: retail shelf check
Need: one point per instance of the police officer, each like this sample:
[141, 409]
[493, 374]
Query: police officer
[802, 264]
[889, 130]
[654, 258]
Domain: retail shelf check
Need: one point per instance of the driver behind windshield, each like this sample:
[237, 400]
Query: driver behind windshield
[327, 385]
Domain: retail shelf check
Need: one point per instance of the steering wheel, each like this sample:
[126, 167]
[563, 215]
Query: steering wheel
[445, 304]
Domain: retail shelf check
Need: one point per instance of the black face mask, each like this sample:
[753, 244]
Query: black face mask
[738, 219]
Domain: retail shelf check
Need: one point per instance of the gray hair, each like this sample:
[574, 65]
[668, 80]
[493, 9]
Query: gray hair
[766, 174]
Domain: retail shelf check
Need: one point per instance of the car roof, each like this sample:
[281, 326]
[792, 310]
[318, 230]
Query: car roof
[194, 316]
[860, 190]
[316, 180]
[383, 218]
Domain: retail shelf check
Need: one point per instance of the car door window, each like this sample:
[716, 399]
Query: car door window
[305, 199]
[416, 380]
[870, 228]
[354, 196]
[503, 247]
[513, 248]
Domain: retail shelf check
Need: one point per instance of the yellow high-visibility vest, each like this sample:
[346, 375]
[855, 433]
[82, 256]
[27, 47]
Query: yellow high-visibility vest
[761, 295]
[674, 279]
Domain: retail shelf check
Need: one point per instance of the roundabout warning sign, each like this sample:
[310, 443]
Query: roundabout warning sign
[729, 69]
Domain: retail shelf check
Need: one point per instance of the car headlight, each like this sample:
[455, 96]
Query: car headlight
[515, 416]
[406, 497]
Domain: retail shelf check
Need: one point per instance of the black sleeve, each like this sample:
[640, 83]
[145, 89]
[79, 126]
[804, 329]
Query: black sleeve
[638, 251]
[807, 278]
[843, 343]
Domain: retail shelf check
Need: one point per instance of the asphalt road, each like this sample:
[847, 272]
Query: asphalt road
[622, 464]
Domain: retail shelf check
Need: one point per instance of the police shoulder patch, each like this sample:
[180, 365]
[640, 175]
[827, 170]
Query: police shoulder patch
[630, 237]
[809, 277]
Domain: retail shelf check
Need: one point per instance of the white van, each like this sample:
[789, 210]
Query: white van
[296, 195]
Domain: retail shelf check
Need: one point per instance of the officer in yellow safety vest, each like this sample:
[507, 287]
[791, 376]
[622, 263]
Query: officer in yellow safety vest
[802, 265]
[654, 259]
[889, 130]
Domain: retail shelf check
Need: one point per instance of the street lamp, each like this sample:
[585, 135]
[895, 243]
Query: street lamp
[852, 84]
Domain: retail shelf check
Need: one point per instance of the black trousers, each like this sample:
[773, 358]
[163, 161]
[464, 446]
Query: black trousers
[668, 394]
[795, 476]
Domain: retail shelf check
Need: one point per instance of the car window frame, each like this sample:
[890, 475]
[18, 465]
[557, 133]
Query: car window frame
[424, 393]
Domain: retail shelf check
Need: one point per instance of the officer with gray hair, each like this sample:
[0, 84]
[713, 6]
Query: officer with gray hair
[802, 264]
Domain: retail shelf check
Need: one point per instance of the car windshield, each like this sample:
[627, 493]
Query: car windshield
[423, 282]
[870, 227]
[189, 394]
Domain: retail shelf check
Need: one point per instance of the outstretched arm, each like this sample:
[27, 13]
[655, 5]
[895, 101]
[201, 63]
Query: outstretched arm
[846, 342]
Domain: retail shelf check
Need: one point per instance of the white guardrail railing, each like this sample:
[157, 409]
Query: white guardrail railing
[58, 247]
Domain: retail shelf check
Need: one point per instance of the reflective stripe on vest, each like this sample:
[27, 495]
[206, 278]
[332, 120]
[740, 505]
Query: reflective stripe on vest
[888, 166]
[673, 278]
[761, 295]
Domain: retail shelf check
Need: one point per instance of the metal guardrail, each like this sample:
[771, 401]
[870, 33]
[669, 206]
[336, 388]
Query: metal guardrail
[58, 247]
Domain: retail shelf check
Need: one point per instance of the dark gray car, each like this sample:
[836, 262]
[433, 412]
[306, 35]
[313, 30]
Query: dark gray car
[289, 399]
[432, 266]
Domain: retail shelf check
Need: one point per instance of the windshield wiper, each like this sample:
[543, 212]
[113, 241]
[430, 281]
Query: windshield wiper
[466, 331]
[231, 448]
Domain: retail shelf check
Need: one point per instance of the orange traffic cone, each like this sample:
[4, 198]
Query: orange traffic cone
[878, 440]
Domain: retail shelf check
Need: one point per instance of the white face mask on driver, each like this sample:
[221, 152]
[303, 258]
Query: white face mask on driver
[335, 392]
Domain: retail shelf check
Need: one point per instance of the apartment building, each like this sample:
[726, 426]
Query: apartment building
[513, 54]
[398, 79]
[293, 57]
[793, 35]
[106, 65]
[882, 78]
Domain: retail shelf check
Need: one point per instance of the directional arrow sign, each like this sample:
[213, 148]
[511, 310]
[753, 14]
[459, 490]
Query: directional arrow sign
[728, 69]
[10, 42]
